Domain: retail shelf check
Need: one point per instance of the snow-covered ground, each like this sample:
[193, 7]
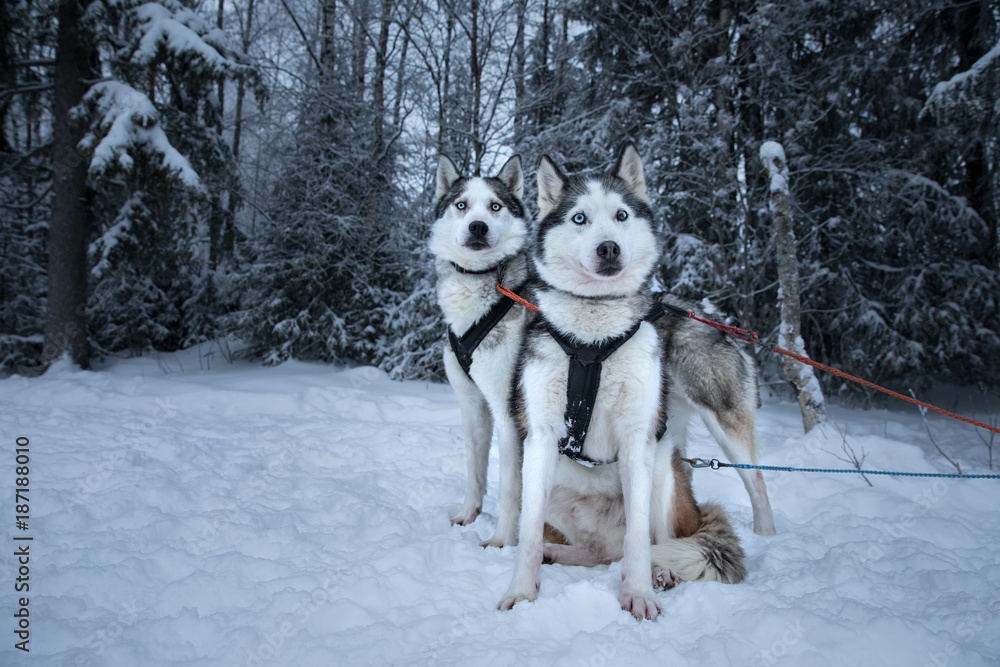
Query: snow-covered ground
[299, 516]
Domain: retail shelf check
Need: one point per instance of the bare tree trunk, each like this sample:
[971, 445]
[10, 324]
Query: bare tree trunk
[241, 87]
[378, 79]
[362, 10]
[66, 317]
[327, 52]
[219, 218]
[800, 376]
[560, 54]
[378, 99]
[222, 80]
[229, 239]
[397, 104]
[444, 89]
[543, 109]
[519, 65]
[478, 145]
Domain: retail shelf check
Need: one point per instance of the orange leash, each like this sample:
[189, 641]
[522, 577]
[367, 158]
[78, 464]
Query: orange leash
[752, 337]
[510, 295]
[909, 399]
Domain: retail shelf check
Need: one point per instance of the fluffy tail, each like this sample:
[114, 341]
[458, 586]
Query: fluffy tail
[713, 553]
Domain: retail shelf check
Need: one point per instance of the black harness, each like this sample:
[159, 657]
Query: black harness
[584, 381]
[659, 309]
[463, 346]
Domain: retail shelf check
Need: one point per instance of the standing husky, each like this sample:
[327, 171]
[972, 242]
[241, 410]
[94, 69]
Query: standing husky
[478, 241]
[711, 376]
[588, 463]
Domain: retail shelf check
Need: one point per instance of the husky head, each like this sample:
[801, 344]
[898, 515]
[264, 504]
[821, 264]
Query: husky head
[596, 235]
[479, 221]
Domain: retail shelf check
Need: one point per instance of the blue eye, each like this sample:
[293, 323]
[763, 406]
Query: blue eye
[496, 207]
[579, 218]
[460, 206]
[621, 215]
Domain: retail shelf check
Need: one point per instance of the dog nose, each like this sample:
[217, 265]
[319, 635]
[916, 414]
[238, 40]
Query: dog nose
[608, 250]
[478, 228]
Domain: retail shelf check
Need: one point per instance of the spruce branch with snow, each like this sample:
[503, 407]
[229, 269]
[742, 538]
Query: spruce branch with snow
[163, 172]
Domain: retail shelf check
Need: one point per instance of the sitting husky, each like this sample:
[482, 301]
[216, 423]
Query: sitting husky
[478, 241]
[590, 445]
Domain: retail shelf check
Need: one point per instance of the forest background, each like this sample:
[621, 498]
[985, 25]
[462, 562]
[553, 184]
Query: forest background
[255, 176]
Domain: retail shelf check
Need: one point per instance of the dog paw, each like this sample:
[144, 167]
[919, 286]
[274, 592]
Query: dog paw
[643, 606]
[764, 528]
[499, 541]
[512, 599]
[664, 580]
[466, 516]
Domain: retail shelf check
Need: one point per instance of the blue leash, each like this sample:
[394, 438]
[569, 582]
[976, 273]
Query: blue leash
[715, 464]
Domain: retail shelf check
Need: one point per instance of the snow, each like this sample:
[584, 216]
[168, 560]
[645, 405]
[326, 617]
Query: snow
[130, 122]
[189, 512]
[958, 84]
[772, 154]
[184, 34]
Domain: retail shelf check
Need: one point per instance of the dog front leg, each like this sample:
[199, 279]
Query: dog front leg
[540, 459]
[637, 596]
[510, 485]
[477, 429]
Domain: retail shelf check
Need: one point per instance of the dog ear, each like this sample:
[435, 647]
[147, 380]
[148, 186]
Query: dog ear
[513, 177]
[550, 185]
[447, 174]
[628, 167]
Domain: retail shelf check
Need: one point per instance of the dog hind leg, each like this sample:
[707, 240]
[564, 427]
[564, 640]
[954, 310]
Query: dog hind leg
[736, 433]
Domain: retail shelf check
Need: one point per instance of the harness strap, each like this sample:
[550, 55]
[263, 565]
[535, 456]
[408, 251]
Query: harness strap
[660, 309]
[463, 346]
[581, 388]
[585, 380]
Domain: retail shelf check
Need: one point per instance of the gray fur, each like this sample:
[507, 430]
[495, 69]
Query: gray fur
[713, 553]
[711, 375]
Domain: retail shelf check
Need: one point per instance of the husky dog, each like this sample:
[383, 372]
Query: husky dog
[478, 240]
[588, 473]
[713, 377]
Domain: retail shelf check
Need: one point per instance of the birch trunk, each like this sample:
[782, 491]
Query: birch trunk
[800, 376]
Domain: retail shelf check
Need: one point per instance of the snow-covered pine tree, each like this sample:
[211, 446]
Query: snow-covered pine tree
[701, 85]
[338, 272]
[892, 248]
[160, 168]
[572, 107]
